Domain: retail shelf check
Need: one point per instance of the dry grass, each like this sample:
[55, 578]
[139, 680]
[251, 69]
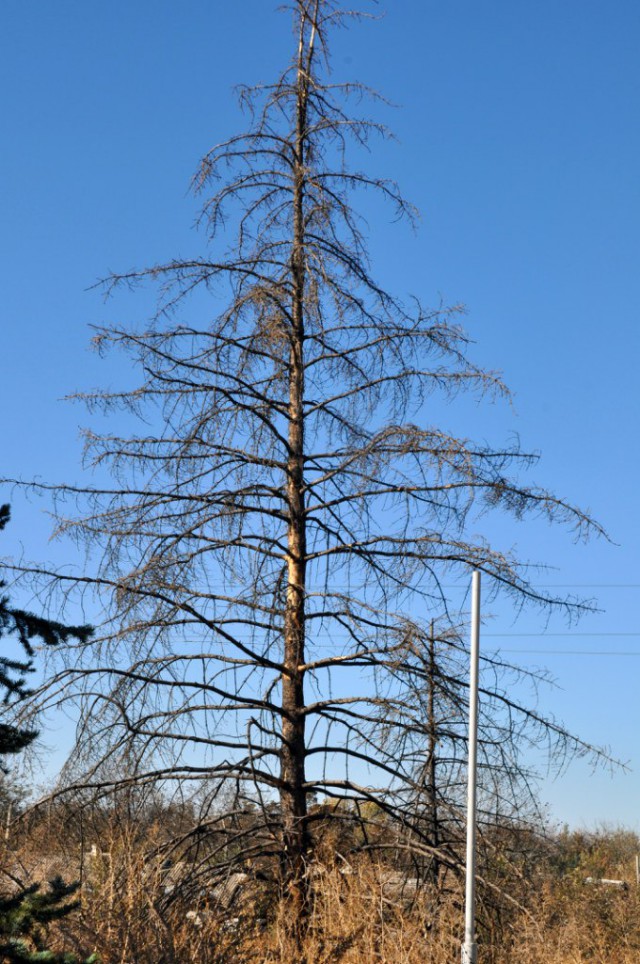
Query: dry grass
[571, 923]
[354, 919]
[358, 915]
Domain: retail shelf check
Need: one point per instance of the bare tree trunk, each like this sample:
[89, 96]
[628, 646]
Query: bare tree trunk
[432, 787]
[293, 750]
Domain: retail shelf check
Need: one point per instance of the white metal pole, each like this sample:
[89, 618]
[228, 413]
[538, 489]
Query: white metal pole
[470, 948]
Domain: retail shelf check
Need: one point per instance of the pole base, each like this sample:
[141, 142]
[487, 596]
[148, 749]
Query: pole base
[470, 953]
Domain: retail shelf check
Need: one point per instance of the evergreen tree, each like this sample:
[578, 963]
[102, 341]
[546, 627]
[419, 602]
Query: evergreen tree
[23, 920]
[25, 913]
[27, 628]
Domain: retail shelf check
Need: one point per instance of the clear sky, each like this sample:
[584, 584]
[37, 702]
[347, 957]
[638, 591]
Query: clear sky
[519, 140]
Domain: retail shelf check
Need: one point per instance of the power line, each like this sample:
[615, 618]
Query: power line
[571, 652]
[589, 585]
[571, 585]
[570, 635]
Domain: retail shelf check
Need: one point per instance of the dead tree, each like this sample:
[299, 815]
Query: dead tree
[281, 533]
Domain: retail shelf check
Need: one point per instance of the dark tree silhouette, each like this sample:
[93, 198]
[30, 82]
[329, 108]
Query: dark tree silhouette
[28, 629]
[25, 912]
[274, 553]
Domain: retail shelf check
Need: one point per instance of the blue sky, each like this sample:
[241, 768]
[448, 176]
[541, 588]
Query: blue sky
[519, 140]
